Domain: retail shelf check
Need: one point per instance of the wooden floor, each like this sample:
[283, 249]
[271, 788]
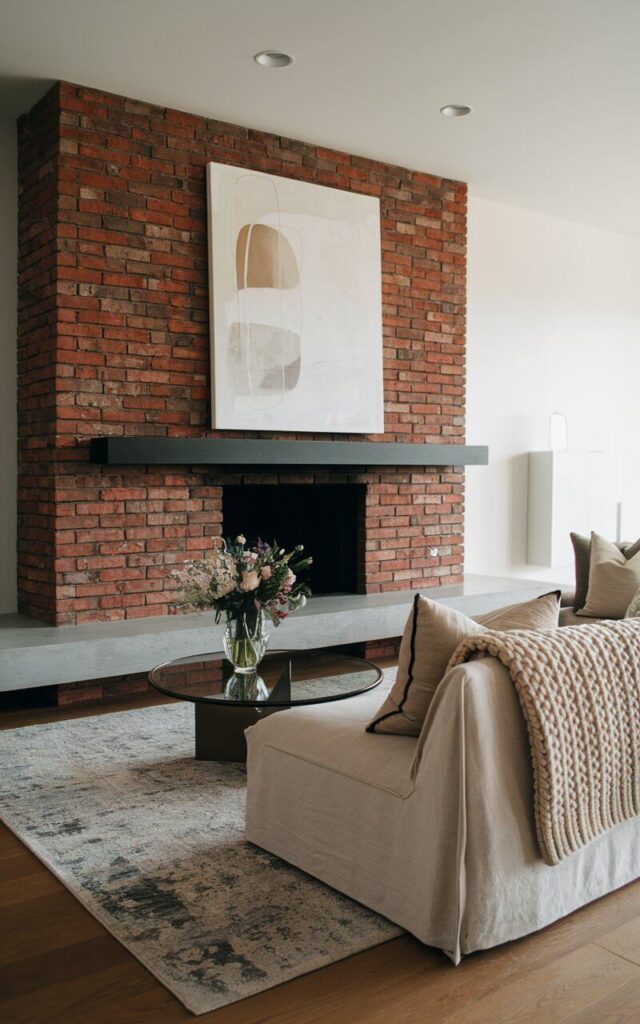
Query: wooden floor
[59, 966]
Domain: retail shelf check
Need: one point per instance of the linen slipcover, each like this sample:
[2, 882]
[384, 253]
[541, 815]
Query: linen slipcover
[437, 832]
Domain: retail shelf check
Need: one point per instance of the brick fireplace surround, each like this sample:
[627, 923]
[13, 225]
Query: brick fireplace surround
[114, 336]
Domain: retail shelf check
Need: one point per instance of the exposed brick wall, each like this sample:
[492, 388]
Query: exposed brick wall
[124, 350]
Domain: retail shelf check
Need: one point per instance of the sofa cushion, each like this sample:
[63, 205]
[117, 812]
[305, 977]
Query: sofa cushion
[614, 578]
[431, 635]
[569, 617]
[333, 736]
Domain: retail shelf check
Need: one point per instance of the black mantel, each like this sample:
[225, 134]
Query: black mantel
[212, 451]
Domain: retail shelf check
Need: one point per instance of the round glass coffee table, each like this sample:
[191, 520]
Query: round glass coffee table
[227, 703]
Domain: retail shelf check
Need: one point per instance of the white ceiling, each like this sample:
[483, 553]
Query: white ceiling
[555, 84]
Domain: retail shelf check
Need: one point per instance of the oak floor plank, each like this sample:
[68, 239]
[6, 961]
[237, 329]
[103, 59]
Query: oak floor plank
[45, 923]
[624, 941]
[10, 846]
[18, 878]
[619, 1007]
[549, 994]
[82, 1000]
[38, 885]
[583, 926]
[14, 866]
[67, 963]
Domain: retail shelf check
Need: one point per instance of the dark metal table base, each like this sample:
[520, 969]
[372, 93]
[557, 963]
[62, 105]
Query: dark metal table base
[220, 730]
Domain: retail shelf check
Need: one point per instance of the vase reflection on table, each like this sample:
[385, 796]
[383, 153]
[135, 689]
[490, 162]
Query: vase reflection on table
[248, 686]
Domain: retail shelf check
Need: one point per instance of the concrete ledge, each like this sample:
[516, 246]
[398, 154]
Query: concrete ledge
[35, 654]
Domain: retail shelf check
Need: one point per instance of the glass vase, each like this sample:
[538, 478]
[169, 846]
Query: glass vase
[245, 642]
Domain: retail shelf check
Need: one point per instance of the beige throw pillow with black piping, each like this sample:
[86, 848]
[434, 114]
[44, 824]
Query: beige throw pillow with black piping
[613, 580]
[431, 635]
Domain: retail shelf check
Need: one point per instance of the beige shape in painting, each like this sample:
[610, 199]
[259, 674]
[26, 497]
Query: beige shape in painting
[264, 258]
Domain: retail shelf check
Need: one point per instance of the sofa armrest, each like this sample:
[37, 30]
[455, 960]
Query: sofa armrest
[474, 746]
[568, 599]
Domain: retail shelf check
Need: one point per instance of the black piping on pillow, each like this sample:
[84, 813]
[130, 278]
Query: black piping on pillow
[412, 660]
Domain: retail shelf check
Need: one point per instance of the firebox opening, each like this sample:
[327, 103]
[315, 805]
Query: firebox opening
[326, 518]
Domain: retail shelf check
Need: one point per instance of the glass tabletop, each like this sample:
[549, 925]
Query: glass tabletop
[284, 679]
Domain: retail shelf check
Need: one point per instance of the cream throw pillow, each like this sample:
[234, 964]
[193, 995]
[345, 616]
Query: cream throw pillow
[541, 613]
[431, 635]
[613, 580]
[633, 611]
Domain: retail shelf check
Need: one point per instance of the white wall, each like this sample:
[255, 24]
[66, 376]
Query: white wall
[554, 325]
[8, 302]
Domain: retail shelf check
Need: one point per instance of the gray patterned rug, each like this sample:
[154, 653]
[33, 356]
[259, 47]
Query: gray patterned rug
[152, 843]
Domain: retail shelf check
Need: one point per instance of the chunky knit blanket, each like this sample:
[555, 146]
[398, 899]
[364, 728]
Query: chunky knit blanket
[579, 688]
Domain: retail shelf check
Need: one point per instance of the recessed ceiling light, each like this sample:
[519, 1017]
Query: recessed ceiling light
[273, 59]
[455, 110]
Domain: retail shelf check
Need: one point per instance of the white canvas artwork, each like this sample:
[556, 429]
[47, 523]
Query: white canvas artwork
[295, 286]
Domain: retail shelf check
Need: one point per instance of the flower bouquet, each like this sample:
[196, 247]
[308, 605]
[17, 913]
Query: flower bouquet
[248, 585]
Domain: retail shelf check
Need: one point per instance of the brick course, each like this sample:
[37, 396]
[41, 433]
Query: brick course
[114, 336]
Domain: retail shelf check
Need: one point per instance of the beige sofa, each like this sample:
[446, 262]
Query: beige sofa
[436, 833]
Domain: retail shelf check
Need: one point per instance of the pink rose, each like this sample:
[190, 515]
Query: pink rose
[249, 580]
[266, 572]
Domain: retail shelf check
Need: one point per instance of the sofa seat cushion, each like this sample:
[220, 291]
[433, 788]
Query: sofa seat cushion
[568, 617]
[333, 736]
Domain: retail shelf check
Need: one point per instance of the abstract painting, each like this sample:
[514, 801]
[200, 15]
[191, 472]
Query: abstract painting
[296, 322]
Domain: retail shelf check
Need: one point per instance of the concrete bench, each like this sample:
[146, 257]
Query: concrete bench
[33, 653]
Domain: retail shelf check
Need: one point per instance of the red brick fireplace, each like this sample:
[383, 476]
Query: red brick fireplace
[113, 340]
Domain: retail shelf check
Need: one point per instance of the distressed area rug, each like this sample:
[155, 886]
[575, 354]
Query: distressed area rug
[152, 843]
